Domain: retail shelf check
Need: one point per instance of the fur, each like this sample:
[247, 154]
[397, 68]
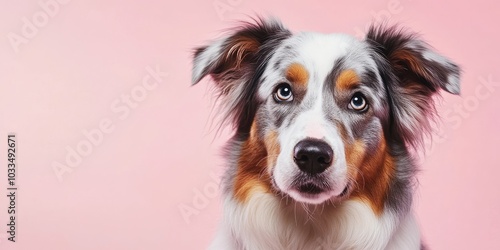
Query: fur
[361, 104]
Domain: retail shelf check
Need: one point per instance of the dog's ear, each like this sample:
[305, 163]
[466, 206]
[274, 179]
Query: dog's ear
[412, 73]
[236, 62]
[230, 57]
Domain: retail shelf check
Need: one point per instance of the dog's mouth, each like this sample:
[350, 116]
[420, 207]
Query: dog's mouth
[314, 191]
[310, 188]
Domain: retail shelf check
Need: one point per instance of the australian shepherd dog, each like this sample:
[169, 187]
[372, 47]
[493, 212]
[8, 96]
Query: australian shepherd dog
[326, 126]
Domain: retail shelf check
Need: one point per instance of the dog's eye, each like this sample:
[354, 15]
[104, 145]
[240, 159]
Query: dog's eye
[358, 102]
[283, 93]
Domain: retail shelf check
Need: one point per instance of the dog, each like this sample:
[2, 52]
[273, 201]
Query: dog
[326, 130]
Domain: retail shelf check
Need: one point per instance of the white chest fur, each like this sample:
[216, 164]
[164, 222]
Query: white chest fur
[265, 223]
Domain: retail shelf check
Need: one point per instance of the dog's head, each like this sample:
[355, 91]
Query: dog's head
[316, 114]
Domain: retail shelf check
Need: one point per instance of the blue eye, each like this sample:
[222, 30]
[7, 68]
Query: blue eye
[358, 102]
[283, 93]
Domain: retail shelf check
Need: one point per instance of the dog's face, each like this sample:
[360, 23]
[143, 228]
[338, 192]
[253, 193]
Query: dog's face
[320, 94]
[317, 111]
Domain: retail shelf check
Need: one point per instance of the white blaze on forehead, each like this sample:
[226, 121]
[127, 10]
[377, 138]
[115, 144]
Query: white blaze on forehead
[318, 53]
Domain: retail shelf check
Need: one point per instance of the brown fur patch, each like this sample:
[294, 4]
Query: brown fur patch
[273, 149]
[399, 57]
[251, 175]
[239, 47]
[347, 79]
[237, 52]
[372, 172]
[298, 74]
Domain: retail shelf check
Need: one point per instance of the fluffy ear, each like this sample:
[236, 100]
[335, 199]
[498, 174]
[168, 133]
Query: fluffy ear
[413, 73]
[236, 62]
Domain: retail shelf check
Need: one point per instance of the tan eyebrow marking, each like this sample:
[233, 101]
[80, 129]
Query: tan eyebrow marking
[347, 80]
[298, 74]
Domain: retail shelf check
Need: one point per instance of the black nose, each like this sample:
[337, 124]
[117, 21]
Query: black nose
[313, 156]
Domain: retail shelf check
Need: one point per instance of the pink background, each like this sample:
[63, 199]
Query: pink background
[126, 193]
